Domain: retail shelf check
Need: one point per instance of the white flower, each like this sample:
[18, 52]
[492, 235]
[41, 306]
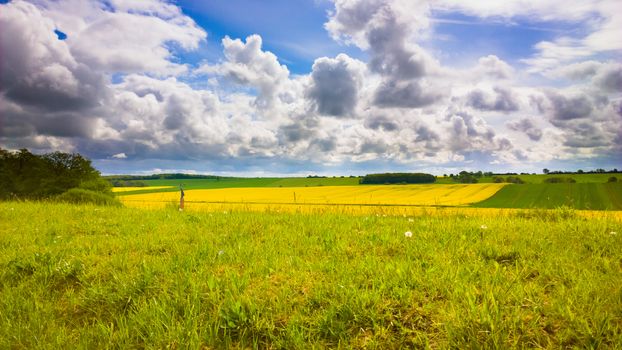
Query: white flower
[411, 220]
[613, 233]
[483, 227]
[408, 234]
[221, 252]
[181, 209]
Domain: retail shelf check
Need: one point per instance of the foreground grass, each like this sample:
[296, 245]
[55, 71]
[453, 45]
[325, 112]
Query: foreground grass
[92, 277]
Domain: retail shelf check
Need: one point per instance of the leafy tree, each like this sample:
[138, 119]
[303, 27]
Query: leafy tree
[545, 171]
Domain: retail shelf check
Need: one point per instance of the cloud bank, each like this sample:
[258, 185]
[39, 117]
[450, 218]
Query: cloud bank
[122, 95]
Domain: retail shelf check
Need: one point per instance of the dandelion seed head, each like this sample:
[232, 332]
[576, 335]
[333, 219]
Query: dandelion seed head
[408, 234]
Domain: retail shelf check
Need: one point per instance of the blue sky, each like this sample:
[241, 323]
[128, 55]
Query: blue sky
[329, 87]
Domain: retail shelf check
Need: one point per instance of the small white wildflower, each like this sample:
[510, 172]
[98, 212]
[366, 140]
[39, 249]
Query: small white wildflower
[221, 252]
[408, 234]
[613, 233]
[224, 212]
[483, 227]
[411, 220]
[181, 209]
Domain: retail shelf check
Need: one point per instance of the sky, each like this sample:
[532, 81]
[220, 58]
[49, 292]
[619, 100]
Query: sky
[323, 87]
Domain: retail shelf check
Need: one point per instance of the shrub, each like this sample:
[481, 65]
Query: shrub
[82, 196]
[514, 180]
[497, 179]
[612, 179]
[98, 185]
[556, 180]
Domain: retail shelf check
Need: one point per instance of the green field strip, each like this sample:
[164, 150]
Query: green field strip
[588, 196]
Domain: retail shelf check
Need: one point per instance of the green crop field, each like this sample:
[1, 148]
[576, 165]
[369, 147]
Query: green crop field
[593, 196]
[540, 178]
[230, 182]
[81, 276]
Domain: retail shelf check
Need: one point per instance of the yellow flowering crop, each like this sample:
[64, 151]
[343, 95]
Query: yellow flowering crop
[386, 195]
[128, 189]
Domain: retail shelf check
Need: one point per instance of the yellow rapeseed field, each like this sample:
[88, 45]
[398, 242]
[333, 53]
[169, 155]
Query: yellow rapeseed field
[128, 189]
[396, 195]
[397, 200]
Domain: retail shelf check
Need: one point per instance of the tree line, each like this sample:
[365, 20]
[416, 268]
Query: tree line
[60, 176]
[397, 178]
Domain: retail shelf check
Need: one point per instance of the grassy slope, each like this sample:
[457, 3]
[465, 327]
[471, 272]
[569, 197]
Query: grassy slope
[89, 277]
[597, 196]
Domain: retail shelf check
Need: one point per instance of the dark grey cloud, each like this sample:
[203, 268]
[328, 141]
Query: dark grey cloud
[404, 94]
[381, 123]
[567, 108]
[371, 146]
[177, 112]
[424, 133]
[610, 79]
[527, 126]
[581, 134]
[324, 145]
[38, 70]
[334, 86]
[501, 101]
[587, 119]
[391, 55]
[295, 132]
[388, 34]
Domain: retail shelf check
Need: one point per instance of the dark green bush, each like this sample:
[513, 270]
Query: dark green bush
[82, 196]
[98, 185]
[514, 180]
[558, 180]
[612, 179]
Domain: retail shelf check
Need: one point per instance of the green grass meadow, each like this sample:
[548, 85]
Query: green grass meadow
[81, 276]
